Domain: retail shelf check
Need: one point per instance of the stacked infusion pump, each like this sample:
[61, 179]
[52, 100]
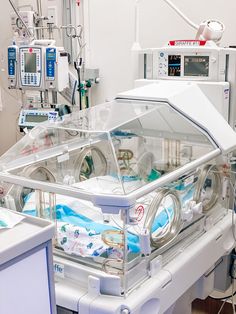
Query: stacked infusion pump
[213, 68]
[37, 67]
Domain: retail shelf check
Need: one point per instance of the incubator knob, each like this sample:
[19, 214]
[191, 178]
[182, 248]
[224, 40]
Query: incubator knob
[125, 311]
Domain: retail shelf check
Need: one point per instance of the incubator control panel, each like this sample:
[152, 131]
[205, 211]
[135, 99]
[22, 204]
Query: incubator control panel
[183, 65]
[186, 60]
[30, 118]
[31, 67]
[12, 64]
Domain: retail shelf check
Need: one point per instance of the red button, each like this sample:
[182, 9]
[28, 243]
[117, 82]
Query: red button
[31, 50]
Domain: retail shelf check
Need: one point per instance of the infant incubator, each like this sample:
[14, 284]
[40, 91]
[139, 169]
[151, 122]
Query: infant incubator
[125, 182]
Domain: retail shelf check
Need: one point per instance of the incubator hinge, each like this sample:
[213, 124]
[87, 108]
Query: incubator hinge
[94, 286]
[155, 265]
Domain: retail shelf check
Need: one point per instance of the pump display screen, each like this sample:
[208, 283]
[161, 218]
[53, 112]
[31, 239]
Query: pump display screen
[36, 118]
[174, 65]
[30, 62]
[196, 65]
[12, 54]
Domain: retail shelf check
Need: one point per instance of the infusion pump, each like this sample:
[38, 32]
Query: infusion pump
[37, 67]
[30, 118]
[212, 67]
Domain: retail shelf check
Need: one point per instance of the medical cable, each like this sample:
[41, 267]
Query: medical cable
[223, 298]
[137, 228]
[221, 308]
[160, 232]
[77, 66]
[155, 209]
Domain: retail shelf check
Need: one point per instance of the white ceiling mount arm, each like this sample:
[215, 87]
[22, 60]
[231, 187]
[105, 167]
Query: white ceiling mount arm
[181, 14]
[136, 45]
[207, 30]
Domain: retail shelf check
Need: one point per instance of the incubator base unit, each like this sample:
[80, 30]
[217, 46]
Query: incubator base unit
[139, 190]
[26, 268]
[172, 286]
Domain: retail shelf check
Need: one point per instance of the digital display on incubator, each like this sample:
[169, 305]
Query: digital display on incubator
[196, 65]
[30, 62]
[174, 65]
[36, 118]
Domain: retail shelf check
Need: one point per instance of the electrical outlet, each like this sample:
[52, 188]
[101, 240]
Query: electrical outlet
[52, 15]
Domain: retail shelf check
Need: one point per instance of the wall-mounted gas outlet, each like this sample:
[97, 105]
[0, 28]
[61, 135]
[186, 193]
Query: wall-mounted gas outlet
[52, 15]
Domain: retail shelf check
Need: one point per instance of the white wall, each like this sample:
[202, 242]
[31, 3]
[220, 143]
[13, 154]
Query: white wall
[112, 33]
[111, 28]
[10, 99]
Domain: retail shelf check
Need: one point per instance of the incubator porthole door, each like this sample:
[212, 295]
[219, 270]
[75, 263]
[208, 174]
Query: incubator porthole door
[166, 207]
[90, 163]
[208, 187]
[39, 173]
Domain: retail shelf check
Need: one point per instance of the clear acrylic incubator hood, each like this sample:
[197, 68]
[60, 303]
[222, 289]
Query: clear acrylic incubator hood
[125, 182]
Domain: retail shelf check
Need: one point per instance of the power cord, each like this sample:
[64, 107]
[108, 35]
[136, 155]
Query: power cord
[223, 298]
[78, 66]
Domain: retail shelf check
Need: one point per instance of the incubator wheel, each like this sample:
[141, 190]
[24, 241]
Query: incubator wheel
[208, 187]
[90, 163]
[39, 173]
[168, 203]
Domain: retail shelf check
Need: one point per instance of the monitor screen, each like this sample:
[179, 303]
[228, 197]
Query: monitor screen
[11, 54]
[174, 65]
[30, 62]
[36, 118]
[196, 65]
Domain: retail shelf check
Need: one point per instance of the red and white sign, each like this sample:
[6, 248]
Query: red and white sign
[139, 211]
[187, 43]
